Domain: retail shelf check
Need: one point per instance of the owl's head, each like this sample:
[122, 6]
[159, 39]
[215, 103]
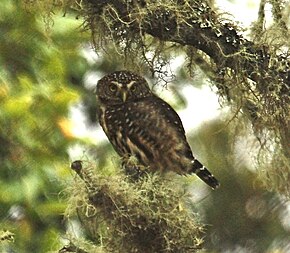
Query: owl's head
[120, 87]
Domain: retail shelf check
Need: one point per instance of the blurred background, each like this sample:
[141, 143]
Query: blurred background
[48, 71]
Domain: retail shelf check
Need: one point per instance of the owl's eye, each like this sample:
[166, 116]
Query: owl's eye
[133, 88]
[113, 87]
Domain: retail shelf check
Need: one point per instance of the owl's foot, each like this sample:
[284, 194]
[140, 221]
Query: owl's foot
[134, 172]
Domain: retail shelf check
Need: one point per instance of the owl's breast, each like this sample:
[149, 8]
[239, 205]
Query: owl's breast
[113, 118]
[112, 121]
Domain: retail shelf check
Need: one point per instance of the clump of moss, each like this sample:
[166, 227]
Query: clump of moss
[148, 215]
[274, 169]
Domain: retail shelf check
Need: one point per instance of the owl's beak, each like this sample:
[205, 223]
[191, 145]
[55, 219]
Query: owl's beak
[124, 96]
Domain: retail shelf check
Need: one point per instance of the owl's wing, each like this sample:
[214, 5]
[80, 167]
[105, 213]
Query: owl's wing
[158, 113]
[155, 134]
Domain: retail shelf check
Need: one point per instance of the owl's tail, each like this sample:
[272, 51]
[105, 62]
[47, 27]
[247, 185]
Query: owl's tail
[204, 174]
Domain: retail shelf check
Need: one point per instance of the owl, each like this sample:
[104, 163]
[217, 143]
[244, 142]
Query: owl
[138, 123]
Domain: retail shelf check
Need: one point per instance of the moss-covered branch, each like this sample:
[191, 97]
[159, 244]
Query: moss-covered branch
[149, 215]
[191, 23]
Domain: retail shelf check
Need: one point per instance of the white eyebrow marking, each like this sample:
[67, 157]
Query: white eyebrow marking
[118, 84]
[129, 85]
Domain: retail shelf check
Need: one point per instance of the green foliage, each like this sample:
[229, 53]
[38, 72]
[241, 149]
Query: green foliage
[35, 95]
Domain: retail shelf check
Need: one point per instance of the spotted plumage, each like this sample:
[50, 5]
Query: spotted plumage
[139, 123]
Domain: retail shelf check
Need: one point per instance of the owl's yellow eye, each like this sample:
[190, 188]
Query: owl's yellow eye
[113, 87]
[133, 88]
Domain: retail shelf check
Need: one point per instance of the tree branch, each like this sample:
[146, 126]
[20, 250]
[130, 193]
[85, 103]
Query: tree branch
[194, 23]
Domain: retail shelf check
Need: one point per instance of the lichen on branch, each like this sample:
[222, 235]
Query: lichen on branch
[149, 215]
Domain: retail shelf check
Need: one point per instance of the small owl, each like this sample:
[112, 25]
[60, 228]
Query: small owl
[139, 123]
